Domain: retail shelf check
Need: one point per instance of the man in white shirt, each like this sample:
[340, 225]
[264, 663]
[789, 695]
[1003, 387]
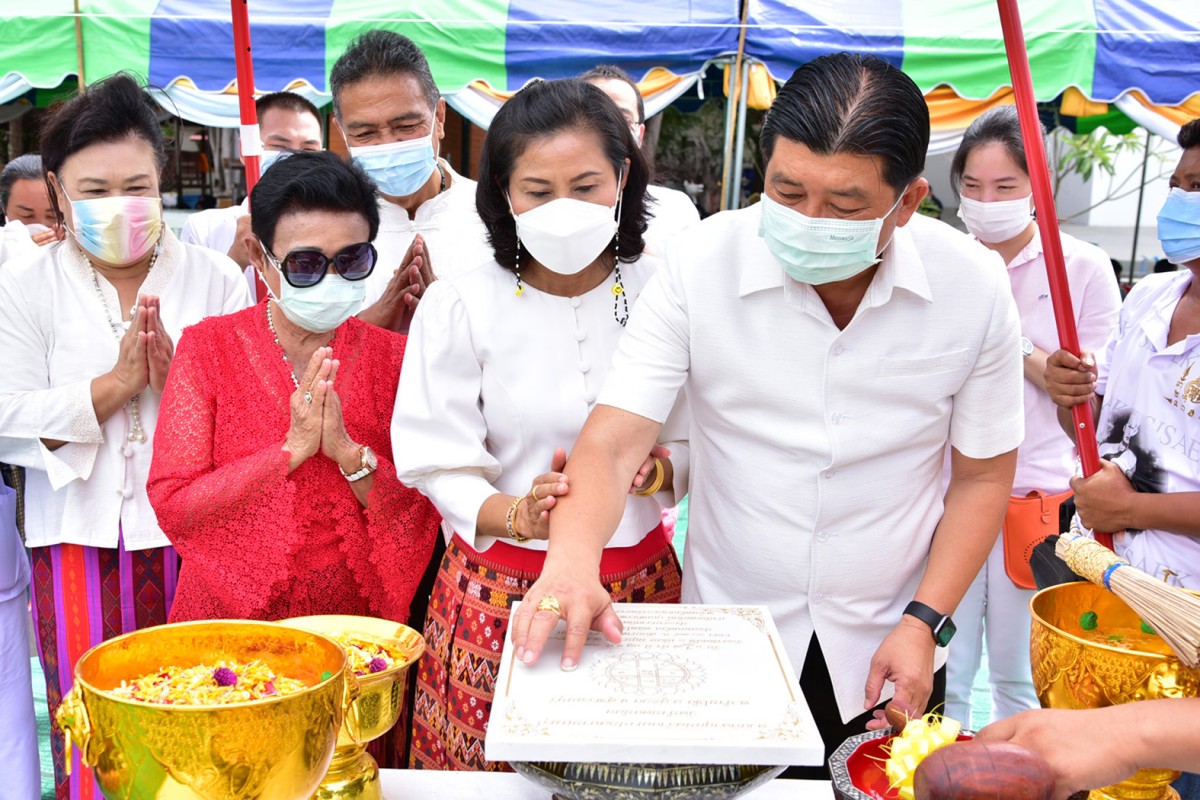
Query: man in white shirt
[672, 210]
[286, 122]
[25, 209]
[387, 107]
[832, 344]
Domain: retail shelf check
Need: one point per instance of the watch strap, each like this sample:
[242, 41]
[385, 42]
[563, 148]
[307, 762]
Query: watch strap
[940, 625]
[363, 471]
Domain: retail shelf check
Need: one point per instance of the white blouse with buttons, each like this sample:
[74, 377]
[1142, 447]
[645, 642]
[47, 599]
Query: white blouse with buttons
[493, 383]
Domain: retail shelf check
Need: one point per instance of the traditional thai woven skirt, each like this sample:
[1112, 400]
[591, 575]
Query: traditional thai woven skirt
[464, 635]
[81, 597]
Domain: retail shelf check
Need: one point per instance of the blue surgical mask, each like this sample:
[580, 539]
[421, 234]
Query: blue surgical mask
[399, 169]
[321, 307]
[269, 158]
[1179, 226]
[816, 250]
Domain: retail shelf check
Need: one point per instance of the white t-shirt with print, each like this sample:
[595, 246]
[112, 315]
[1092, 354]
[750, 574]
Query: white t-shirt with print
[1150, 420]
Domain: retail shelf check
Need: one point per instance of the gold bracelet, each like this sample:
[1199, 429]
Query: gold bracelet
[508, 522]
[656, 484]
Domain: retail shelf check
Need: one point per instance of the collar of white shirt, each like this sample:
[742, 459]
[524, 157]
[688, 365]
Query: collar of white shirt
[900, 268]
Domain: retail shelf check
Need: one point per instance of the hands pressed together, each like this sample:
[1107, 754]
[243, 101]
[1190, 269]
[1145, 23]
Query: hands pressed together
[317, 421]
[395, 308]
[146, 350]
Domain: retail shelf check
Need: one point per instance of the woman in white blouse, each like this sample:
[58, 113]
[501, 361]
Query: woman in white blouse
[89, 326]
[502, 367]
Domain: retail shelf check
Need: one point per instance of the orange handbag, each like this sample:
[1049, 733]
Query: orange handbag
[1028, 521]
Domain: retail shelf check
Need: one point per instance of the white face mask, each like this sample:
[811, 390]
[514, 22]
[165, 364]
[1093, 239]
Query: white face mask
[997, 221]
[321, 307]
[565, 235]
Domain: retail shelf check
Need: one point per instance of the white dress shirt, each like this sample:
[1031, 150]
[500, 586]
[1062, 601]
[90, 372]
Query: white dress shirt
[57, 339]
[15, 241]
[493, 383]
[673, 211]
[1149, 422]
[1046, 458]
[454, 235]
[215, 228]
[816, 453]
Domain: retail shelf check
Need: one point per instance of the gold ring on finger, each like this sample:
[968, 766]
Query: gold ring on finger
[550, 603]
[308, 398]
[533, 493]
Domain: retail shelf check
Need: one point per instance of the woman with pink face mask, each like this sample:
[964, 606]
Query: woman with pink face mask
[502, 367]
[89, 329]
[990, 175]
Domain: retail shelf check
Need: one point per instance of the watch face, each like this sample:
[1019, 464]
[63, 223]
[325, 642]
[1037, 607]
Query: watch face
[369, 458]
[945, 632]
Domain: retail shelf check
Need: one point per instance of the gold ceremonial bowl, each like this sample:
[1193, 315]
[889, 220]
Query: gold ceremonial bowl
[1072, 672]
[272, 749]
[353, 773]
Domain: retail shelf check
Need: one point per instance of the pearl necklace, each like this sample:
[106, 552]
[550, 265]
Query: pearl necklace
[286, 360]
[133, 404]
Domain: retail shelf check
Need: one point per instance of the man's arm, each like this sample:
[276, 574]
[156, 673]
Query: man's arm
[974, 511]
[610, 448]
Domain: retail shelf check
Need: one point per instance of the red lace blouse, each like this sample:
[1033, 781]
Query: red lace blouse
[256, 542]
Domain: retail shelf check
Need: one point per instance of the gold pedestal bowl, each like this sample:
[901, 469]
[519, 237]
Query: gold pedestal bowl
[353, 773]
[1116, 661]
[276, 748]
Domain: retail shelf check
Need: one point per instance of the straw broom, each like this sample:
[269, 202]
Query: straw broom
[1174, 613]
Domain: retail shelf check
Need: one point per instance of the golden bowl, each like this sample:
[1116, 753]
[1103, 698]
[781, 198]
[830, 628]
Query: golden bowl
[272, 749]
[353, 773]
[1070, 671]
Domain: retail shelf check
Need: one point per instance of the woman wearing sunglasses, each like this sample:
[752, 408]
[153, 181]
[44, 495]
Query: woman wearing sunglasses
[506, 363]
[275, 480]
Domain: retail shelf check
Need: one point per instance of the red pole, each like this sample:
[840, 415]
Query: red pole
[251, 139]
[1047, 214]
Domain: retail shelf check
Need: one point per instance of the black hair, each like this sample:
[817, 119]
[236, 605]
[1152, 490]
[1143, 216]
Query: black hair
[545, 108]
[311, 180]
[111, 110]
[1001, 125]
[380, 52]
[286, 101]
[22, 168]
[609, 72]
[851, 103]
[1189, 135]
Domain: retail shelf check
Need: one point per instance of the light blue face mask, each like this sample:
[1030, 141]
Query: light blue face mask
[269, 158]
[399, 169]
[816, 250]
[1179, 226]
[321, 307]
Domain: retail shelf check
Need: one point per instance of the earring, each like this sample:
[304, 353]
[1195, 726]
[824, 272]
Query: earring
[520, 286]
[618, 289]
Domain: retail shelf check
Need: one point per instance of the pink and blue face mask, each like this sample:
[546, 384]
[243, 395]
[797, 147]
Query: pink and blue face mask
[117, 230]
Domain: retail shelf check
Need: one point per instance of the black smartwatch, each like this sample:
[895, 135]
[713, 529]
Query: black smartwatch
[940, 625]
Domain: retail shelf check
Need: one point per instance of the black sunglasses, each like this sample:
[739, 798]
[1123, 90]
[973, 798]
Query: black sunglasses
[307, 267]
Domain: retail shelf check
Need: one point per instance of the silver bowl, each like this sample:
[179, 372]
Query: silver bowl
[646, 781]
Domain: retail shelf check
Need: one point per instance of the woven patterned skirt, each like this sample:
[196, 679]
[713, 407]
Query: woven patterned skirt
[465, 628]
[81, 597]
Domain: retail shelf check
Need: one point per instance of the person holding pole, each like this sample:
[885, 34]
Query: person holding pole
[832, 344]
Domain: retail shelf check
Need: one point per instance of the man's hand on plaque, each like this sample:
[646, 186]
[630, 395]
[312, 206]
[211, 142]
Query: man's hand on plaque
[573, 594]
[906, 659]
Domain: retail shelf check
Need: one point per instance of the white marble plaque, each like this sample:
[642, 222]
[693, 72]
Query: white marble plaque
[688, 684]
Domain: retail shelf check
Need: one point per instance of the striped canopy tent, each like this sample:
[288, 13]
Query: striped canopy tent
[1134, 59]
[479, 50]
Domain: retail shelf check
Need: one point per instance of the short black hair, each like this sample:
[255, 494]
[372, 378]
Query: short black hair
[1189, 135]
[541, 109]
[311, 180]
[111, 110]
[1001, 125]
[22, 168]
[380, 52]
[287, 101]
[851, 103]
[611, 72]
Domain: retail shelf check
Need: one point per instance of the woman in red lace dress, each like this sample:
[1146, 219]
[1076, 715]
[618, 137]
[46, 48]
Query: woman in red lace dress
[272, 472]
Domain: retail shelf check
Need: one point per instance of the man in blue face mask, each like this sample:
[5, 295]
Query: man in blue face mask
[388, 110]
[835, 348]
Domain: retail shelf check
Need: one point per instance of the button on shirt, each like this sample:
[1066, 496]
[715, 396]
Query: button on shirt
[493, 383]
[931, 357]
[1150, 420]
[454, 235]
[1046, 458]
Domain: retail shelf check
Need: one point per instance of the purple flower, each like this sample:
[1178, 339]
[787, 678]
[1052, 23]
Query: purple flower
[378, 664]
[224, 676]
